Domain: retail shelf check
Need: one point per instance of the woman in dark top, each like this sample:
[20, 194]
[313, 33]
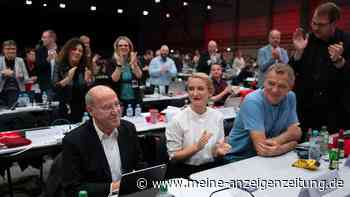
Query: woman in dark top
[72, 76]
[221, 89]
[125, 72]
[32, 69]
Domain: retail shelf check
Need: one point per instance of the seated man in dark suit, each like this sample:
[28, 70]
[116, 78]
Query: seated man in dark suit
[97, 153]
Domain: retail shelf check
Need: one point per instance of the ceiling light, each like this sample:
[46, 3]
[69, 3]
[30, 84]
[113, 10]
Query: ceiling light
[120, 11]
[208, 7]
[62, 5]
[157, 1]
[172, 51]
[44, 4]
[29, 2]
[185, 3]
[93, 8]
[145, 12]
[167, 15]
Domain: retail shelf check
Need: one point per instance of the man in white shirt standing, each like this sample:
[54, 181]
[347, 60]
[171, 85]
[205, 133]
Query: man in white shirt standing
[97, 153]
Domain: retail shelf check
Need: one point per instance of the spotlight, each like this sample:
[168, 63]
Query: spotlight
[62, 5]
[185, 3]
[93, 8]
[29, 2]
[145, 12]
[120, 11]
[208, 7]
[167, 15]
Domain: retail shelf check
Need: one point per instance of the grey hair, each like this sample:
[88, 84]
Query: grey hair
[88, 99]
[280, 68]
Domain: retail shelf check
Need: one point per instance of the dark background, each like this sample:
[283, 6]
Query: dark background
[232, 23]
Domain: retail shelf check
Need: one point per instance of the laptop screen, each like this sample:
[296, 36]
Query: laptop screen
[142, 179]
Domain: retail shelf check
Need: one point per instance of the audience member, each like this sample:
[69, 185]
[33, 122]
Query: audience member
[13, 73]
[97, 153]
[267, 122]
[321, 62]
[221, 89]
[125, 72]
[72, 77]
[162, 69]
[271, 54]
[195, 136]
[208, 58]
[46, 56]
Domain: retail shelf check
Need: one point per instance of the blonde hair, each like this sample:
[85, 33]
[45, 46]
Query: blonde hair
[206, 80]
[116, 54]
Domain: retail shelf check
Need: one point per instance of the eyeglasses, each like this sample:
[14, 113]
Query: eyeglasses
[320, 25]
[109, 108]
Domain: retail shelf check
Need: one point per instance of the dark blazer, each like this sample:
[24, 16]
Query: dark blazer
[203, 65]
[43, 69]
[85, 164]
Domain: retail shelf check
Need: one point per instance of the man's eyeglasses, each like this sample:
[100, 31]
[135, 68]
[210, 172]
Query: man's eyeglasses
[320, 25]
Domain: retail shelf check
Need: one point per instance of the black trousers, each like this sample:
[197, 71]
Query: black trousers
[9, 97]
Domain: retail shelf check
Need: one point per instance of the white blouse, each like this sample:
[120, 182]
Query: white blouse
[187, 127]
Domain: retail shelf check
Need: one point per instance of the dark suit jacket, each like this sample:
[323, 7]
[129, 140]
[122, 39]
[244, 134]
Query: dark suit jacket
[43, 68]
[203, 63]
[85, 164]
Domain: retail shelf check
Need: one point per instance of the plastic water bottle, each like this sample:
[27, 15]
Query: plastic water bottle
[315, 146]
[44, 97]
[138, 111]
[26, 99]
[85, 118]
[129, 111]
[156, 91]
[20, 100]
[324, 140]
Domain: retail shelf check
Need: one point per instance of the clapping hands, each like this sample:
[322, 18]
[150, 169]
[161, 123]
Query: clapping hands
[222, 148]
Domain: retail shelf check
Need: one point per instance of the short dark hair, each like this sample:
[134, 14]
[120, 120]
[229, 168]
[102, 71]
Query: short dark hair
[9, 43]
[329, 9]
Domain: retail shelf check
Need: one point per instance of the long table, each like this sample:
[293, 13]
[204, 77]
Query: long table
[273, 169]
[143, 126]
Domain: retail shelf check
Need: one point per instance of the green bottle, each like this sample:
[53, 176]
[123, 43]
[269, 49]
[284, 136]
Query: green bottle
[83, 193]
[333, 159]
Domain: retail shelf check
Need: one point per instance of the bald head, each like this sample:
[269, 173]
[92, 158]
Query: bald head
[164, 51]
[212, 47]
[275, 37]
[97, 93]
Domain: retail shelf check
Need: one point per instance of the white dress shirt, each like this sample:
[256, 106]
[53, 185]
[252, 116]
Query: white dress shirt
[111, 149]
[187, 127]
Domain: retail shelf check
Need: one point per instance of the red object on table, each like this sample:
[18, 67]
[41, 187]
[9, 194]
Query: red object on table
[155, 116]
[28, 86]
[346, 144]
[244, 93]
[13, 139]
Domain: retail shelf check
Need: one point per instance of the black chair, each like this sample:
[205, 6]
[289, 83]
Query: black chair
[53, 186]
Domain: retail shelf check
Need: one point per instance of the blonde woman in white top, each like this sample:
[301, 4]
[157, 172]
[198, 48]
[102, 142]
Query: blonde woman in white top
[195, 136]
